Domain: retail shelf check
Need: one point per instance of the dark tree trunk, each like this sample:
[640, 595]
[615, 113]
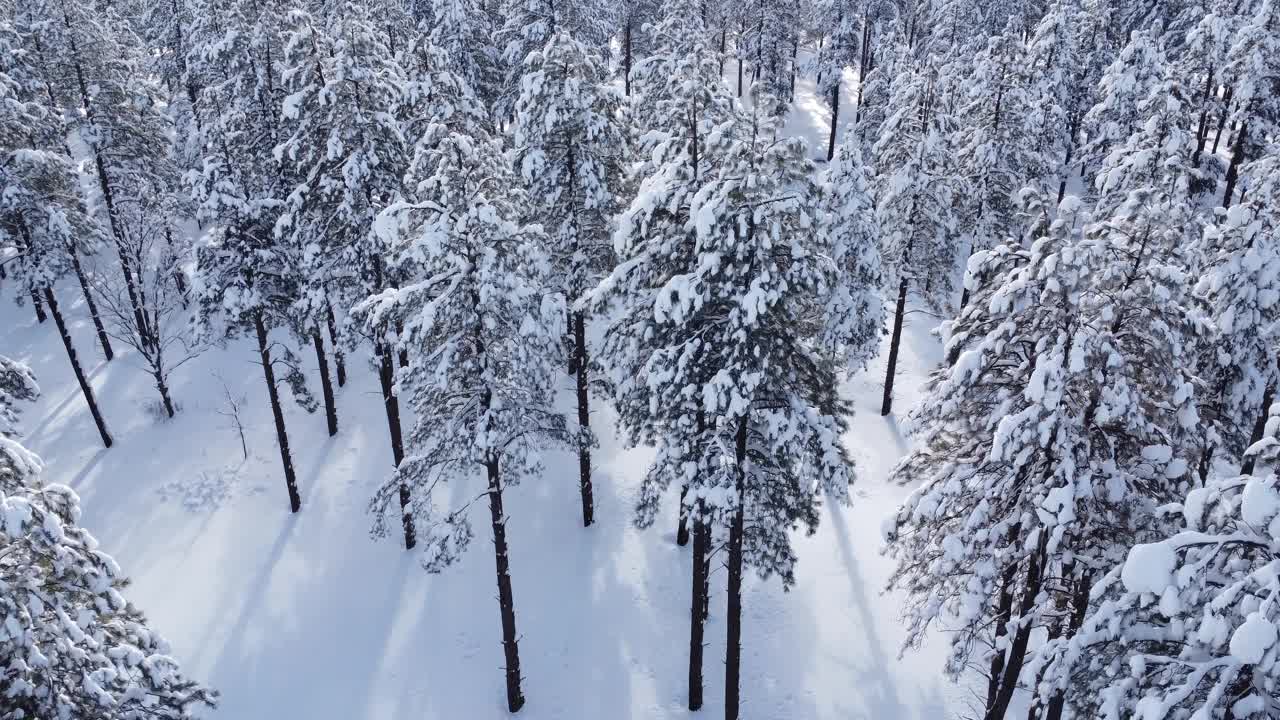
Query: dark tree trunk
[386, 378]
[733, 645]
[1004, 606]
[835, 118]
[584, 419]
[162, 387]
[107, 352]
[506, 604]
[85, 388]
[1233, 170]
[1222, 118]
[333, 340]
[1018, 648]
[326, 385]
[697, 616]
[404, 352]
[724, 37]
[179, 279]
[1202, 127]
[894, 341]
[1259, 427]
[1066, 173]
[1080, 606]
[739, 76]
[277, 412]
[38, 305]
[126, 267]
[682, 530]
[626, 57]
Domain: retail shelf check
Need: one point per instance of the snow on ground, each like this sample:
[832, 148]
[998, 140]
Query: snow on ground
[304, 616]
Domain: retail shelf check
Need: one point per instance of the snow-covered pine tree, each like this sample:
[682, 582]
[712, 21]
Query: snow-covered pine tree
[845, 29]
[527, 26]
[483, 332]
[1205, 58]
[1240, 289]
[1125, 84]
[1046, 447]
[856, 304]
[43, 221]
[635, 18]
[678, 100]
[995, 142]
[915, 200]
[1254, 64]
[74, 647]
[570, 150]
[1186, 625]
[465, 31]
[245, 279]
[1056, 93]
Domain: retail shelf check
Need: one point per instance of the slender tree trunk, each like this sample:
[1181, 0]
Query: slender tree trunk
[584, 420]
[333, 340]
[1259, 427]
[107, 352]
[682, 530]
[733, 646]
[404, 352]
[895, 340]
[163, 388]
[724, 37]
[1066, 172]
[277, 412]
[38, 305]
[326, 385]
[697, 616]
[1003, 607]
[1222, 117]
[386, 378]
[1202, 127]
[1080, 606]
[626, 57]
[1233, 170]
[506, 604]
[85, 388]
[739, 76]
[1018, 648]
[835, 118]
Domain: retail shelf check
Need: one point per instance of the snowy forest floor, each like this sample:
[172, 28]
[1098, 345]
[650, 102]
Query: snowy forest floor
[304, 616]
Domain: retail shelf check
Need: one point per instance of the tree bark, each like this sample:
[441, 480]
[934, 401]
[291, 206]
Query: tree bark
[626, 57]
[1202, 127]
[333, 340]
[107, 352]
[1259, 427]
[273, 393]
[1080, 606]
[835, 118]
[697, 616]
[584, 420]
[326, 385]
[386, 378]
[1233, 170]
[895, 340]
[682, 530]
[506, 604]
[38, 305]
[733, 646]
[1222, 117]
[1018, 648]
[1003, 607]
[85, 388]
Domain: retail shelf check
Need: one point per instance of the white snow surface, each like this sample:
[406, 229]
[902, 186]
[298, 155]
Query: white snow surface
[304, 616]
[1149, 568]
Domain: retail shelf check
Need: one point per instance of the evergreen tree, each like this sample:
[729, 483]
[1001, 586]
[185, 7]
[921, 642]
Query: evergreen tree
[480, 377]
[528, 25]
[570, 151]
[464, 30]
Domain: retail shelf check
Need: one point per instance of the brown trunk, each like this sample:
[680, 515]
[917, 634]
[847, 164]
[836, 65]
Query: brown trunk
[1202, 127]
[386, 378]
[1233, 170]
[584, 420]
[85, 388]
[1018, 648]
[697, 618]
[835, 118]
[894, 341]
[682, 530]
[626, 57]
[107, 352]
[1259, 427]
[326, 385]
[1080, 606]
[333, 340]
[733, 645]
[38, 305]
[506, 604]
[1003, 607]
[273, 393]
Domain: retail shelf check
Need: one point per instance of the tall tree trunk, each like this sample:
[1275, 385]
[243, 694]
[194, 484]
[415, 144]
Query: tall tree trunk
[682, 530]
[107, 352]
[85, 388]
[835, 118]
[1080, 606]
[1202, 127]
[584, 419]
[162, 387]
[404, 352]
[326, 385]
[333, 340]
[1259, 427]
[626, 57]
[1233, 170]
[1018, 648]
[1222, 117]
[277, 412]
[894, 341]
[38, 305]
[733, 645]
[739, 76]
[698, 601]
[386, 378]
[1004, 606]
[506, 604]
